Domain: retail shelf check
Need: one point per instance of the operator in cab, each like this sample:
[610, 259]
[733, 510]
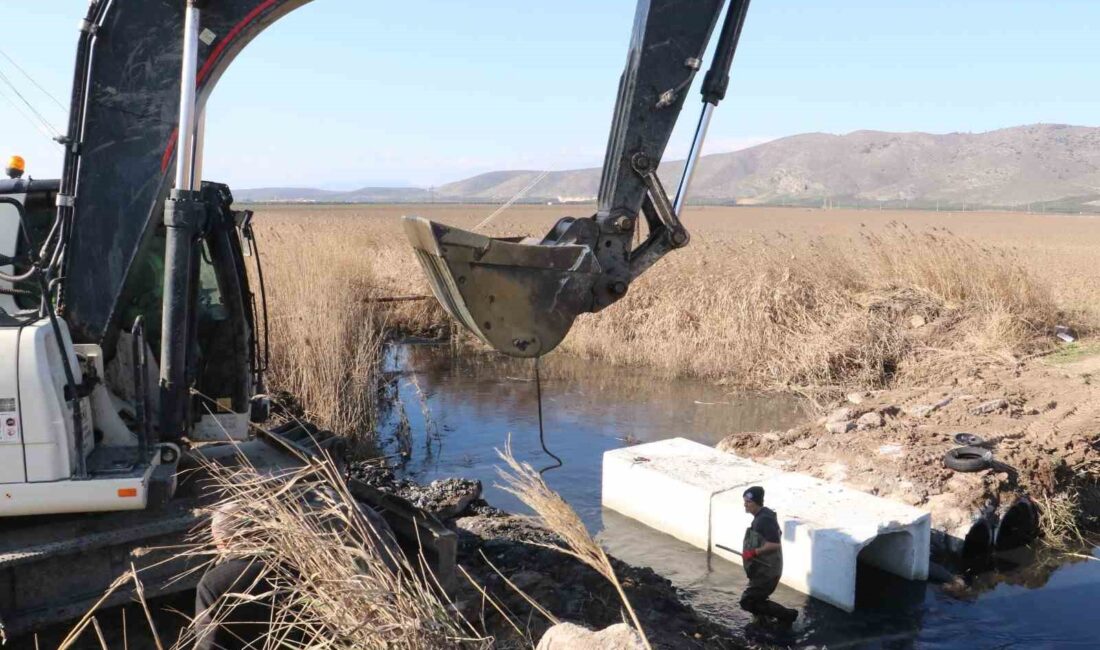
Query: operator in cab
[762, 557]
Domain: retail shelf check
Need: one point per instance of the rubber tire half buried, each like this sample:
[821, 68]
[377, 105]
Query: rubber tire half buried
[968, 459]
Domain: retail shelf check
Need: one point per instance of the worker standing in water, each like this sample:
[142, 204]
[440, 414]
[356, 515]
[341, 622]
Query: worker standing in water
[763, 560]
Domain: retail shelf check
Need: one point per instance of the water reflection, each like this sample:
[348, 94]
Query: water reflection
[473, 402]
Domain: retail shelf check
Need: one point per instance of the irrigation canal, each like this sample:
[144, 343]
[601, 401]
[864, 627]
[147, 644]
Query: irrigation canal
[459, 408]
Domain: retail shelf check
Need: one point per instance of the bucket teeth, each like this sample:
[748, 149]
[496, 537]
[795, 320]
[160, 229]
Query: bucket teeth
[518, 295]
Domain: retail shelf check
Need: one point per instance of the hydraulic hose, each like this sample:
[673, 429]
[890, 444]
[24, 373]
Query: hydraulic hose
[47, 307]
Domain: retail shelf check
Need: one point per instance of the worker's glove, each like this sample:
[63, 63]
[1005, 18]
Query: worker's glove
[748, 555]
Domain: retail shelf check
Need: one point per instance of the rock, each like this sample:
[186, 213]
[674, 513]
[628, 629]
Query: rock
[567, 636]
[840, 427]
[924, 410]
[871, 420]
[992, 406]
[920, 410]
[841, 414]
[890, 450]
[917, 322]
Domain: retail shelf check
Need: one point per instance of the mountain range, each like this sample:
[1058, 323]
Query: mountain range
[1055, 166]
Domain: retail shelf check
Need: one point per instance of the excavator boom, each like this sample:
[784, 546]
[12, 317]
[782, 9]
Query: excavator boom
[121, 153]
[522, 296]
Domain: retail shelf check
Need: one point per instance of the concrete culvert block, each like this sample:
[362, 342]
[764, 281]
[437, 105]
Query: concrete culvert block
[567, 636]
[694, 492]
[669, 485]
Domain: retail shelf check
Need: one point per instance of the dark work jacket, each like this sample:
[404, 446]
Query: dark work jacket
[762, 567]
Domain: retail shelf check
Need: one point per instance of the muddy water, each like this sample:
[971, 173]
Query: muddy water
[459, 408]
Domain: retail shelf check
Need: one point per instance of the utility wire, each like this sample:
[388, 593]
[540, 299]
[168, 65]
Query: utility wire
[19, 109]
[30, 106]
[542, 436]
[512, 200]
[32, 80]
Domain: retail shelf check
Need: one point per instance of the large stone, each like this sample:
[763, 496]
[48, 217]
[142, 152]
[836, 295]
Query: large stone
[924, 410]
[843, 426]
[871, 420]
[567, 636]
[841, 414]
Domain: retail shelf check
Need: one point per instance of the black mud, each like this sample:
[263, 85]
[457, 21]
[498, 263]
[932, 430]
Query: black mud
[568, 589]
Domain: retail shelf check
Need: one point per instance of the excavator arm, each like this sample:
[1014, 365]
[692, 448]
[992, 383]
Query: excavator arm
[131, 189]
[521, 296]
[121, 152]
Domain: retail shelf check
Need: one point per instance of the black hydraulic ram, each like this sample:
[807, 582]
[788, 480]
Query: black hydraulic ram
[715, 84]
[184, 219]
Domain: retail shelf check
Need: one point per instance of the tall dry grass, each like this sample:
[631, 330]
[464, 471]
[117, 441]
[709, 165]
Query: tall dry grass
[331, 582]
[801, 312]
[324, 276]
[823, 313]
[554, 514]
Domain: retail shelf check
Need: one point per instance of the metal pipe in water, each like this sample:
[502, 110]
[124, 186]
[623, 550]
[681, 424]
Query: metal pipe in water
[186, 134]
[693, 158]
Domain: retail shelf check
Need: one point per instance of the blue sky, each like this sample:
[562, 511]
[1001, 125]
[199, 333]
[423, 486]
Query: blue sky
[344, 93]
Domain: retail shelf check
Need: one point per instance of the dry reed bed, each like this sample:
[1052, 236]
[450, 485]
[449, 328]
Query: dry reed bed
[824, 314]
[803, 312]
[322, 278]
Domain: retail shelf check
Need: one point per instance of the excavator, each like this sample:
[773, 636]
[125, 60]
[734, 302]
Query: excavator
[131, 331]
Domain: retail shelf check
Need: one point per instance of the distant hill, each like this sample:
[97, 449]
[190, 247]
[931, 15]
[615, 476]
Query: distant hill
[309, 195]
[1051, 165]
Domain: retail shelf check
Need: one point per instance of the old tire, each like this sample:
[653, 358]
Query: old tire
[968, 459]
[969, 440]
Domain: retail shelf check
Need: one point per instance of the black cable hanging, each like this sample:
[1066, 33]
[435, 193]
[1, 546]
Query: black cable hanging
[542, 437]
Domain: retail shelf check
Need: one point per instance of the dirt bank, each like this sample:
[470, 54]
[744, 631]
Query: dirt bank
[1040, 418]
[566, 588]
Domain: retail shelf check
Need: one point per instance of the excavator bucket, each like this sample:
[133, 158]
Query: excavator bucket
[519, 295]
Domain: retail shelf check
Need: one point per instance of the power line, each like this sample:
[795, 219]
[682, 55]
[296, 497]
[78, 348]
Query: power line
[19, 109]
[512, 200]
[32, 80]
[43, 120]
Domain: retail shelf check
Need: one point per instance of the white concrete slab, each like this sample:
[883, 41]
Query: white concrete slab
[694, 492]
[669, 485]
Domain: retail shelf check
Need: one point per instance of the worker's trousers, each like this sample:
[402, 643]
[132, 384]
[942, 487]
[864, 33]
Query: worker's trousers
[755, 599]
[223, 622]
